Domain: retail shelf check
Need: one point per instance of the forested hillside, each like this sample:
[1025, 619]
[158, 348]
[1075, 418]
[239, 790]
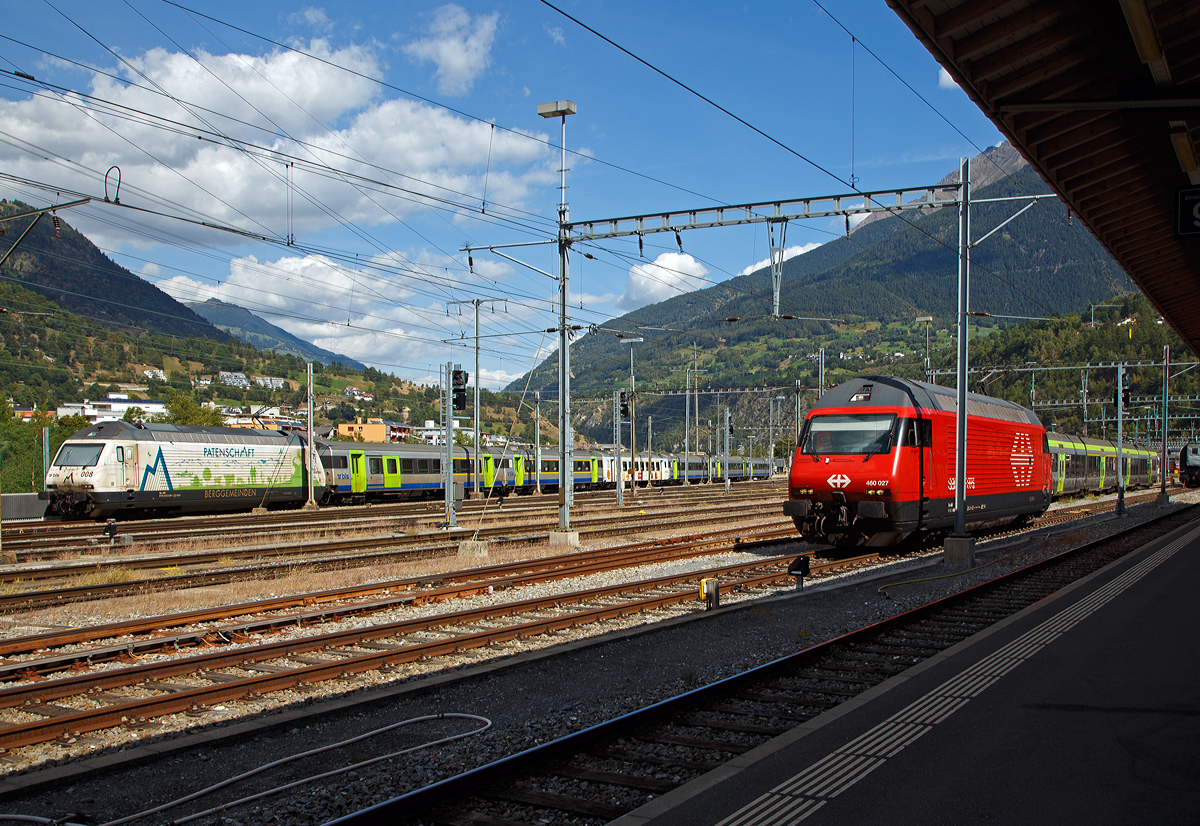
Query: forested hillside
[70, 271]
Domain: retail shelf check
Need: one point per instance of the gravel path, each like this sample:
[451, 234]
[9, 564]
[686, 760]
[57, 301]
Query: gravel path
[563, 684]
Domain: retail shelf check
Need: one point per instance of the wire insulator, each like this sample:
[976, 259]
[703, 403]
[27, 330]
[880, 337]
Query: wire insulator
[679, 241]
[470, 263]
[57, 225]
[641, 249]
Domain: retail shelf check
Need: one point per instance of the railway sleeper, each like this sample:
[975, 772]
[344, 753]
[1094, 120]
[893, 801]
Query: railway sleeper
[619, 753]
[694, 742]
[474, 819]
[873, 670]
[49, 710]
[767, 713]
[900, 649]
[891, 659]
[703, 721]
[560, 802]
[631, 781]
[787, 699]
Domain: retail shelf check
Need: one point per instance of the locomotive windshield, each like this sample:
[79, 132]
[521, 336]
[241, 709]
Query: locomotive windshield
[841, 433]
[78, 454]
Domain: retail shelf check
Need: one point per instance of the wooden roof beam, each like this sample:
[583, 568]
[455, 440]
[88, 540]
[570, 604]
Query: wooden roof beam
[1022, 23]
[1099, 132]
[969, 13]
[1051, 125]
[1055, 39]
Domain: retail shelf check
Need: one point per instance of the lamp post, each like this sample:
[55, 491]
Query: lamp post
[771, 432]
[566, 471]
[928, 319]
[632, 417]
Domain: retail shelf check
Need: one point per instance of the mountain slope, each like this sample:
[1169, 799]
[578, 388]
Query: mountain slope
[245, 325]
[70, 271]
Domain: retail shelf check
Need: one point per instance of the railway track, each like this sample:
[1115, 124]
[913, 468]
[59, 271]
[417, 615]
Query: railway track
[34, 587]
[148, 634]
[200, 568]
[230, 669]
[49, 537]
[607, 770]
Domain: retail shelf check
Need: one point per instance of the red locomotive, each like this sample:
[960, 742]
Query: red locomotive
[875, 463]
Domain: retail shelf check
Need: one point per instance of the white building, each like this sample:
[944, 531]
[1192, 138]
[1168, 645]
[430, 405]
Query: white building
[233, 379]
[112, 408]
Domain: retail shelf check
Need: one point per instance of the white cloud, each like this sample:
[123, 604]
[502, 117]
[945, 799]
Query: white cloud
[789, 252]
[556, 34]
[945, 81]
[328, 109]
[459, 45]
[150, 270]
[312, 16]
[671, 274]
[359, 313]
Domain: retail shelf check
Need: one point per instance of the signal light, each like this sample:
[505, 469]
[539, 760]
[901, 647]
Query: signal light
[624, 405]
[458, 381]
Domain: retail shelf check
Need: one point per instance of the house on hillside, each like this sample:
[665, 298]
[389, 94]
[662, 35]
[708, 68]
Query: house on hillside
[233, 379]
[375, 430]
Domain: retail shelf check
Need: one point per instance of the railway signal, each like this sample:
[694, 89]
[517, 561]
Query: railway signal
[624, 405]
[459, 380]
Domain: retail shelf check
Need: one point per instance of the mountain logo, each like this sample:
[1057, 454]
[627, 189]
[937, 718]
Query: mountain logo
[152, 471]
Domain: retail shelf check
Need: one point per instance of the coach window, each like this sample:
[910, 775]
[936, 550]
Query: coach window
[422, 466]
[120, 454]
[406, 465]
[375, 464]
[391, 465]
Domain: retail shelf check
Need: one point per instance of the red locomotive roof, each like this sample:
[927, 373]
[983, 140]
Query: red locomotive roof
[893, 392]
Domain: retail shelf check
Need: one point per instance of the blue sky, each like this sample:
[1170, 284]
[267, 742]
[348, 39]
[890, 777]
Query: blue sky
[411, 130]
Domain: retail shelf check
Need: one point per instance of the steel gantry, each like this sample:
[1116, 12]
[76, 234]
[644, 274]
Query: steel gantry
[776, 214]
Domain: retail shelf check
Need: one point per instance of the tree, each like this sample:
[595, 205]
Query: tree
[183, 409]
[134, 414]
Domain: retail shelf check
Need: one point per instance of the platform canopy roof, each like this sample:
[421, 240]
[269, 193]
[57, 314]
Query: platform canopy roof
[1102, 97]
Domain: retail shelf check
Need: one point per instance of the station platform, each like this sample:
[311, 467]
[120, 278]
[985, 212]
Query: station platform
[1083, 708]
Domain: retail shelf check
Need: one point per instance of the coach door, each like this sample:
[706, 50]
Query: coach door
[127, 459]
[358, 471]
[391, 472]
[489, 471]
